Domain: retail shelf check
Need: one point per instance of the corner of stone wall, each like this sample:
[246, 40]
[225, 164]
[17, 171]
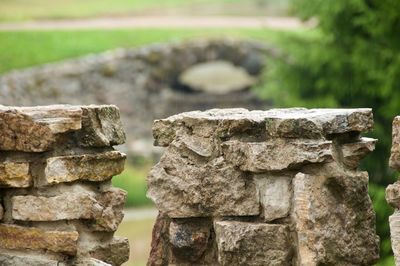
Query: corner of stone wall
[57, 203]
[277, 187]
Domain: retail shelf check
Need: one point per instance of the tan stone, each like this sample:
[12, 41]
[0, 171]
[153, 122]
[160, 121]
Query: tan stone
[19, 238]
[334, 219]
[67, 206]
[35, 129]
[112, 203]
[15, 174]
[243, 243]
[276, 155]
[192, 187]
[114, 252]
[275, 195]
[88, 167]
[354, 152]
[101, 126]
[395, 152]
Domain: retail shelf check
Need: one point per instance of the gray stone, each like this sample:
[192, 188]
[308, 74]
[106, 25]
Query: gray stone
[101, 126]
[275, 195]
[88, 167]
[7, 259]
[334, 218]
[115, 252]
[216, 77]
[286, 123]
[276, 155]
[354, 152]
[183, 187]
[90, 262]
[243, 243]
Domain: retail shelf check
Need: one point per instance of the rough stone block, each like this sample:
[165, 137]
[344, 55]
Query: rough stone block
[7, 259]
[395, 152]
[243, 243]
[19, 238]
[354, 152]
[394, 222]
[35, 129]
[276, 155]
[101, 126]
[90, 262]
[89, 167]
[67, 206]
[112, 204]
[334, 218]
[115, 252]
[393, 195]
[189, 238]
[287, 123]
[159, 253]
[183, 188]
[275, 195]
[15, 174]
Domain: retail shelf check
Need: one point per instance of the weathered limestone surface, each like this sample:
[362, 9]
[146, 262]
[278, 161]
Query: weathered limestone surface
[90, 167]
[16, 260]
[15, 238]
[15, 174]
[276, 187]
[395, 153]
[393, 191]
[57, 205]
[242, 243]
[334, 218]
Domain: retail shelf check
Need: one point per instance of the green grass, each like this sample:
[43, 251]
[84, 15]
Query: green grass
[133, 180]
[19, 49]
[25, 10]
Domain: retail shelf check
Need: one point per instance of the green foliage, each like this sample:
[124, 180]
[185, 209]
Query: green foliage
[133, 180]
[353, 60]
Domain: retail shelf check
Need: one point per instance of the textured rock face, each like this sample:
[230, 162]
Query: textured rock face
[56, 163]
[241, 243]
[393, 191]
[281, 187]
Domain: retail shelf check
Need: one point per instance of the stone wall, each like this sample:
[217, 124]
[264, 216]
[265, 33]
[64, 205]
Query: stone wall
[277, 187]
[57, 205]
[393, 191]
[141, 82]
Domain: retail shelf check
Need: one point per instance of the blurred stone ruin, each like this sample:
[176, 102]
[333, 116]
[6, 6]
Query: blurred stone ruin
[276, 187]
[147, 83]
[57, 204]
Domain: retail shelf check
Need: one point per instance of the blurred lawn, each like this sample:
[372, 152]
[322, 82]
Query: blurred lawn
[20, 49]
[139, 235]
[25, 10]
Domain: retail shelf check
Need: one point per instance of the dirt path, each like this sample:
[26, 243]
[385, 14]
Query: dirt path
[158, 22]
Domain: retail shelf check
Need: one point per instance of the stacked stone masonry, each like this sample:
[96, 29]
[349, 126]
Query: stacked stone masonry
[276, 187]
[57, 203]
[393, 191]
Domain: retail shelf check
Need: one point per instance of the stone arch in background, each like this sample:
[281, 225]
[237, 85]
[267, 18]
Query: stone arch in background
[141, 82]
